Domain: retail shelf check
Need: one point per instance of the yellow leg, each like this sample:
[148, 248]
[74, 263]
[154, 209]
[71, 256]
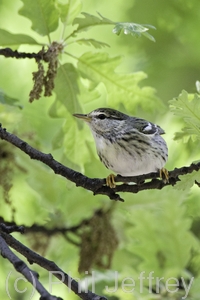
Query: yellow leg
[164, 175]
[110, 181]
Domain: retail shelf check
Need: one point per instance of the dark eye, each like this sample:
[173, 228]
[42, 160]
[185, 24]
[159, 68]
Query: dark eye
[101, 116]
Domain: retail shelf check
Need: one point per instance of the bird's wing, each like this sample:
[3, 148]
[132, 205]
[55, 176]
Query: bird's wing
[146, 127]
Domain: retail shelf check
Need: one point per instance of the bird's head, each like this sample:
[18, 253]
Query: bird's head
[104, 120]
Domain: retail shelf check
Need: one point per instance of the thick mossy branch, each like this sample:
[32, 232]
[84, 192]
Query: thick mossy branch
[96, 185]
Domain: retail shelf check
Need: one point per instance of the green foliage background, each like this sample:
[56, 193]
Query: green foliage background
[157, 230]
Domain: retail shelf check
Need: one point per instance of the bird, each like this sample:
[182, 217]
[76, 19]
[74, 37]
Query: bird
[127, 145]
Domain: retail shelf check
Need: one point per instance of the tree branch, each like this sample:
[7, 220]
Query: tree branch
[22, 268]
[96, 185]
[8, 52]
[43, 80]
[10, 227]
[50, 266]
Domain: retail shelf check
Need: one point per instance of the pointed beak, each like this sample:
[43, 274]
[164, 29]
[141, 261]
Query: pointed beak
[83, 117]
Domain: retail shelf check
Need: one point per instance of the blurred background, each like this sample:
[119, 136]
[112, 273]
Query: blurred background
[153, 230]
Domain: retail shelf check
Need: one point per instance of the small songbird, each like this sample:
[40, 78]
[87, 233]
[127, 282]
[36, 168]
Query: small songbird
[127, 145]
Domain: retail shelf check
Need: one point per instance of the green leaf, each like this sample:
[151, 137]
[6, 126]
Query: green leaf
[188, 109]
[69, 10]
[185, 135]
[128, 28]
[75, 142]
[148, 36]
[5, 99]
[42, 14]
[92, 42]
[133, 29]
[90, 21]
[8, 39]
[187, 181]
[161, 234]
[198, 86]
[66, 87]
[121, 88]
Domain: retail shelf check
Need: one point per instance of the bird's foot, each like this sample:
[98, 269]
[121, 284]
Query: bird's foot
[164, 175]
[110, 181]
